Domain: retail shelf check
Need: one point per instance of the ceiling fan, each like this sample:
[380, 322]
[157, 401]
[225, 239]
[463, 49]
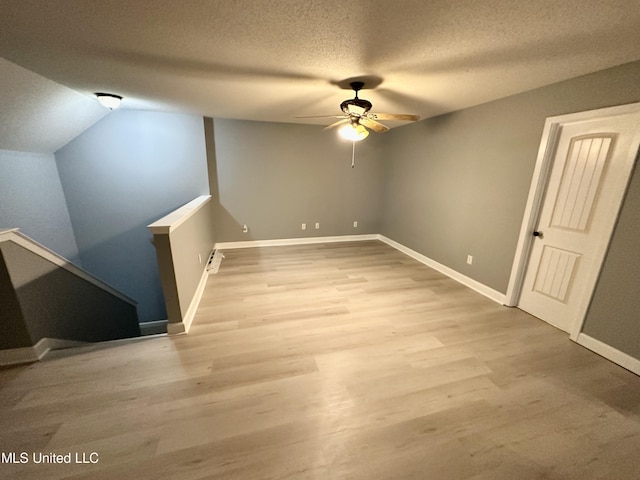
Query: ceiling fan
[357, 117]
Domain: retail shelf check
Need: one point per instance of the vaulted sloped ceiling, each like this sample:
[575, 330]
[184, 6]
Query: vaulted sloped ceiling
[273, 60]
[39, 115]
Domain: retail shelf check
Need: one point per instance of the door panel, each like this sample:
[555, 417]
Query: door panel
[580, 181]
[556, 272]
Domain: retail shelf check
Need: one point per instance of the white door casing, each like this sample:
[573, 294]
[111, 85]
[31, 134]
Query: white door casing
[584, 165]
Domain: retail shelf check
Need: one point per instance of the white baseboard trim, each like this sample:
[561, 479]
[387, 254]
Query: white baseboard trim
[17, 356]
[449, 272]
[610, 353]
[175, 328]
[153, 328]
[295, 241]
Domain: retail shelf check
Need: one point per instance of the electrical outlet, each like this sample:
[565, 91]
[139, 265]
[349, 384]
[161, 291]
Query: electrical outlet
[317, 225]
[245, 229]
[469, 259]
[355, 224]
[304, 226]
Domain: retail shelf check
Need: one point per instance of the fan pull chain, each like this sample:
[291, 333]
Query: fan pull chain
[353, 154]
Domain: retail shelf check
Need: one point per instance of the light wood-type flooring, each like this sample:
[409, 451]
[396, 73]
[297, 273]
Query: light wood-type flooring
[331, 361]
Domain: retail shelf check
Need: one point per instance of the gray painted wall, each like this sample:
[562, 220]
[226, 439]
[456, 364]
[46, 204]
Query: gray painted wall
[614, 314]
[13, 330]
[212, 168]
[125, 172]
[31, 199]
[273, 177]
[182, 258]
[191, 245]
[55, 303]
[457, 184]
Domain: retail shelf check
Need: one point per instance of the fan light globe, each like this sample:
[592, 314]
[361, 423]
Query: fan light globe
[352, 132]
[109, 100]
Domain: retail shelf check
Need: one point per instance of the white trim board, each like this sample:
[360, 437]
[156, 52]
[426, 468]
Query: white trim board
[17, 356]
[157, 327]
[175, 328]
[173, 220]
[610, 353]
[294, 241]
[532, 208]
[449, 272]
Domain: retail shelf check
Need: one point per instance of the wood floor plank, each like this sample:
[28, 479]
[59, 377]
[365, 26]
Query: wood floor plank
[330, 361]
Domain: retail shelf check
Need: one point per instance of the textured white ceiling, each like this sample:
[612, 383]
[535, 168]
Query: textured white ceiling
[38, 115]
[273, 60]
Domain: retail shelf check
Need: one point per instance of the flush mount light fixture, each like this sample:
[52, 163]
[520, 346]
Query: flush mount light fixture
[354, 132]
[109, 100]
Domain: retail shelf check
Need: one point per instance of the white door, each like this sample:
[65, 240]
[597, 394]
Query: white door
[591, 168]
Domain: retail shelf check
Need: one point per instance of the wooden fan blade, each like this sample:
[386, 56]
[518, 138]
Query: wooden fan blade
[373, 125]
[339, 122]
[325, 116]
[395, 116]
